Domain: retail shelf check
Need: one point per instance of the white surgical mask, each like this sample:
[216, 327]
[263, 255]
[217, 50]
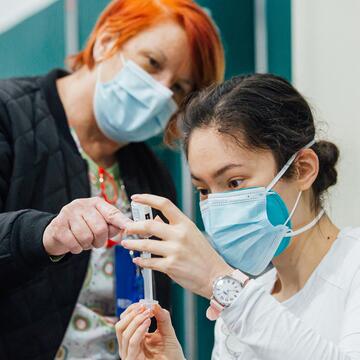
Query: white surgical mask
[133, 106]
[249, 227]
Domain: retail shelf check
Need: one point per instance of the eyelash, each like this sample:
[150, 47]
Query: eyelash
[232, 183]
[179, 88]
[155, 64]
[201, 191]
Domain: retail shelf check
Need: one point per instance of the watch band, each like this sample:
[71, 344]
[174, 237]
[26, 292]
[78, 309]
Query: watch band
[214, 310]
[240, 277]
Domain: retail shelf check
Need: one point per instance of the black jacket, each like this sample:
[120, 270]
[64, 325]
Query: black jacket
[41, 170]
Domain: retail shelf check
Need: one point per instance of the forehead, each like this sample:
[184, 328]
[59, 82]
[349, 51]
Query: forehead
[168, 29]
[169, 38]
[213, 148]
[210, 150]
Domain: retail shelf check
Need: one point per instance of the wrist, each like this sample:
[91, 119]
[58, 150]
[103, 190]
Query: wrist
[53, 249]
[225, 290]
[222, 270]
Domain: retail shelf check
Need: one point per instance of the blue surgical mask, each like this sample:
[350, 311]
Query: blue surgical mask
[133, 106]
[249, 227]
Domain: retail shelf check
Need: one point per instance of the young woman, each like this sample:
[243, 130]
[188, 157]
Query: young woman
[66, 137]
[261, 173]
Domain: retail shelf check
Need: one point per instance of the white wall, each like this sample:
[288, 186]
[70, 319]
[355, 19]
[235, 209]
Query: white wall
[14, 11]
[326, 69]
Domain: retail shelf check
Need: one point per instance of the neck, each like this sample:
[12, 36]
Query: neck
[76, 93]
[296, 264]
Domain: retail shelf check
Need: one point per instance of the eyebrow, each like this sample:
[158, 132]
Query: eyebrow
[219, 172]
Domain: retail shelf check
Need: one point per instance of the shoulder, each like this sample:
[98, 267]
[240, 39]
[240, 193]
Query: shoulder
[23, 104]
[16, 98]
[14, 89]
[347, 246]
[342, 262]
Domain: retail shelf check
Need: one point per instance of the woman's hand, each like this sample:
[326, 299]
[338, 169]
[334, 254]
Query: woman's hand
[81, 225]
[135, 343]
[186, 255]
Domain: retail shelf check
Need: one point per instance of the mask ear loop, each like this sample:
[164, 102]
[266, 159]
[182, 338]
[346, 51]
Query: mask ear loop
[294, 208]
[122, 58]
[281, 172]
[308, 226]
[287, 165]
[98, 73]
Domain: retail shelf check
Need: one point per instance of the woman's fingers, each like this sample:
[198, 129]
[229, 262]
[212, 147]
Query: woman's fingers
[131, 308]
[163, 320]
[128, 332]
[144, 228]
[136, 339]
[125, 319]
[65, 238]
[155, 247]
[82, 232]
[98, 227]
[170, 211]
[90, 221]
[157, 264]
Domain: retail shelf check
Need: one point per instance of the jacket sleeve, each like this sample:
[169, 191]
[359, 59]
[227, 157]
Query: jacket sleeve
[21, 250]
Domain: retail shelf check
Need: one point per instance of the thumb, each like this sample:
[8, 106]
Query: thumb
[163, 320]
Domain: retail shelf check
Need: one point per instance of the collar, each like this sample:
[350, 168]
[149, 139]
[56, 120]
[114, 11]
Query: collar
[52, 98]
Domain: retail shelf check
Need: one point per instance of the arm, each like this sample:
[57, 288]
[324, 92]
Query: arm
[21, 248]
[273, 332]
[28, 237]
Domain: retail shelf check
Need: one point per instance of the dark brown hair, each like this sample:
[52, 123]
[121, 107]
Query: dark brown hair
[268, 113]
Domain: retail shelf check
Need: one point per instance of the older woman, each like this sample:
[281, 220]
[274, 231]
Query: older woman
[65, 137]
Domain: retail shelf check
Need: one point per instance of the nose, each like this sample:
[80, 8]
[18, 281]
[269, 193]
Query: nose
[165, 79]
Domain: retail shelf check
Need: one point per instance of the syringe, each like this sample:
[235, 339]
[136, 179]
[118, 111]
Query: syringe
[142, 212]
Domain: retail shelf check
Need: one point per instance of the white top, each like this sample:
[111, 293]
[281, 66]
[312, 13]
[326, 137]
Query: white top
[321, 321]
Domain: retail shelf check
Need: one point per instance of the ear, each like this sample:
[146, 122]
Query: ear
[307, 169]
[102, 46]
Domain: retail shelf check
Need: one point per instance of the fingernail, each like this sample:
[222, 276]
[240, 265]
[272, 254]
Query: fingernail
[147, 312]
[135, 196]
[141, 309]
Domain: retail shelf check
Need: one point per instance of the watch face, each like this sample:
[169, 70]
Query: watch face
[226, 290]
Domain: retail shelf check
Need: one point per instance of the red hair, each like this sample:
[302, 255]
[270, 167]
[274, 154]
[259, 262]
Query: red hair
[126, 18]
